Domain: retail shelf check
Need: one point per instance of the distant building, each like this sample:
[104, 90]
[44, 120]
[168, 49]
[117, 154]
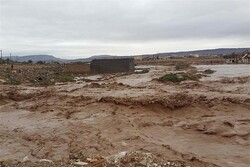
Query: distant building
[246, 58]
[163, 58]
[151, 57]
[231, 60]
[100, 66]
[194, 55]
[138, 58]
[238, 58]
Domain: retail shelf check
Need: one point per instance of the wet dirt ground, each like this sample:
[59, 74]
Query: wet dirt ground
[199, 123]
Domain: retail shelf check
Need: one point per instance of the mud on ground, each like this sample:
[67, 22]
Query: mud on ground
[126, 120]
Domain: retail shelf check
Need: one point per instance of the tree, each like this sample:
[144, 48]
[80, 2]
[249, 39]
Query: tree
[30, 61]
[40, 62]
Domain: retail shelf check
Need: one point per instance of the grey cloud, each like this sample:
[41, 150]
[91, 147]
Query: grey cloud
[100, 24]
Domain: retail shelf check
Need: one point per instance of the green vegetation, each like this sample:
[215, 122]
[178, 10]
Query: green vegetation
[52, 79]
[14, 81]
[170, 78]
[40, 62]
[64, 78]
[178, 77]
[30, 61]
[209, 71]
[42, 81]
[37, 75]
[181, 66]
[11, 79]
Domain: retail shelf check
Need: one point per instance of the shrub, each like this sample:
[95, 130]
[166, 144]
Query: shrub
[64, 78]
[189, 76]
[40, 62]
[209, 71]
[14, 81]
[170, 78]
[178, 77]
[30, 61]
[181, 66]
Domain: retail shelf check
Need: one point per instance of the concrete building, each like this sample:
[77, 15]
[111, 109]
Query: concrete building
[238, 58]
[246, 58]
[100, 66]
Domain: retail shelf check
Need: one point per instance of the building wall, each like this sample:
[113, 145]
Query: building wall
[77, 68]
[246, 60]
[112, 65]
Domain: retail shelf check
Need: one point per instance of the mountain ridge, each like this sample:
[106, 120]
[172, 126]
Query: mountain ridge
[51, 58]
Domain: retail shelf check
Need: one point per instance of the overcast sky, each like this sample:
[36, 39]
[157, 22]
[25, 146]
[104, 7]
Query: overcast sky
[82, 28]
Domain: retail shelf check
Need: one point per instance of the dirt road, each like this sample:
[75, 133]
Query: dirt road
[200, 123]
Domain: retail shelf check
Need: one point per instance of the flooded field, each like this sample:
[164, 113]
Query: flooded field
[226, 70]
[129, 120]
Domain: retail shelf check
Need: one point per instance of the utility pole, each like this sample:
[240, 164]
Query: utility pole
[10, 56]
[1, 54]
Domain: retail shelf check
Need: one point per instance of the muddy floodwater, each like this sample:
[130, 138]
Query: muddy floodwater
[133, 118]
[226, 70]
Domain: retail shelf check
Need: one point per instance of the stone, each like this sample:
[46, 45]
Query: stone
[144, 162]
[25, 159]
[201, 127]
[2, 81]
[230, 133]
[45, 160]
[80, 163]
[124, 144]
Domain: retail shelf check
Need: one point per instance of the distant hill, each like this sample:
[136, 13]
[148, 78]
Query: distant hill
[96, 57]
[91, 58]
[208, 52]
[50, 58]
[36, 58]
